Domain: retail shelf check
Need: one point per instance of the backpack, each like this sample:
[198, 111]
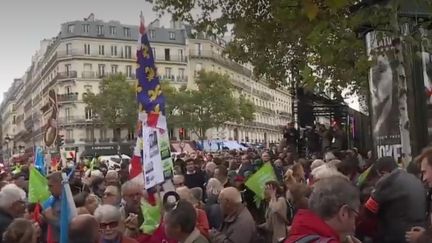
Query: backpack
[313, 239]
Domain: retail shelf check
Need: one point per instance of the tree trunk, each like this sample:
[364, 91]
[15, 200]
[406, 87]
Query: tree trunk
[404, 124]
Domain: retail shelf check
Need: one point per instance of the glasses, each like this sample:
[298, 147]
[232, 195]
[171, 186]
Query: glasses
[109, 225]
[355, 211]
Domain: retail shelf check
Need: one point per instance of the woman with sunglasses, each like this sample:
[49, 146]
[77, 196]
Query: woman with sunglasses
[110, 224]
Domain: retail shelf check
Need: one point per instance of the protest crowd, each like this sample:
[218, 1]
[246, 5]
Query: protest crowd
[256, 195]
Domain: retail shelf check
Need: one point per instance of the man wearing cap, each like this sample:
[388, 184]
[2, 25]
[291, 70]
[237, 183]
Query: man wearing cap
[396, 201]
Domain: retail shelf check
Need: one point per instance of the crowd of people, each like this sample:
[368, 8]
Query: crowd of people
[336, 197]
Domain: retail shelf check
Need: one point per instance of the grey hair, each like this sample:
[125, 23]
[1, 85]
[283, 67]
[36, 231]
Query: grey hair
[317, 163]
[214, 186]
[10, 194]
[330, 194]
[107, 213]
[325, 171]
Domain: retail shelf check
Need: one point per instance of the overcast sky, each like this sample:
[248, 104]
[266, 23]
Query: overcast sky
[23, 23]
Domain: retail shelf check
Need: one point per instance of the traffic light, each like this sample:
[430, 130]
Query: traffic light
[60, 140]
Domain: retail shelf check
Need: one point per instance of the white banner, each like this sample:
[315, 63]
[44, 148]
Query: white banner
[152, 161]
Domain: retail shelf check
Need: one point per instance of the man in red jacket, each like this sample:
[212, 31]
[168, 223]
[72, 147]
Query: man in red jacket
[333, 207]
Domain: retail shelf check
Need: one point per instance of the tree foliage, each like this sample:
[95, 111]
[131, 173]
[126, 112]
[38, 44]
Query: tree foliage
[115, 104]
[210, 105]
[309, 41]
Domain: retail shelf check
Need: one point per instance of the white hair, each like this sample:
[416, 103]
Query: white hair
[329, 156]
[325, 171]
[107, 212]
[131, 184]
[10, 194]
[214, 186]
[317, 163]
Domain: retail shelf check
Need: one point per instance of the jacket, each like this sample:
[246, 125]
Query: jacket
[276, 219]
[214, 212]
[196, 237]
[308, 223]
[5, 220]
[239, 228]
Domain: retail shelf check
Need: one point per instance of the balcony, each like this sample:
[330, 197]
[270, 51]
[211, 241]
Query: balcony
[181, 79]
[28, 123]
[66, 75]
[88, 74]
[80, 53]
[28, 106]
[70, 120]
[65, 98]
[163, 58]
[69, 141]
[218, 58]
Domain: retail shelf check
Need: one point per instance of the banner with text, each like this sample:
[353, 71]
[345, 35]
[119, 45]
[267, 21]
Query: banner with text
[383, 85]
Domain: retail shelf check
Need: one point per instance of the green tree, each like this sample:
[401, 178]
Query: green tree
[115, 104]
[209, 106]
[309, 41]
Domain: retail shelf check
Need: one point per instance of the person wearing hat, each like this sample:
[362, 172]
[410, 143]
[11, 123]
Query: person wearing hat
[396, 202]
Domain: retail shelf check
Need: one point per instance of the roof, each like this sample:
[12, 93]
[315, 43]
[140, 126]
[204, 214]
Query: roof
[158, 34]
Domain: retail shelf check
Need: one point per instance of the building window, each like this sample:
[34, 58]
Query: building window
[68, 69]
[113, 30]
[131, 135]
[154, 52]
[128, 52]
[86, 28]
[68, 89]
[69, 134]
[114, 51]
[68, 48]
[67, 114]
[100, 29]
[88, 113]
[198, 49]
[71, 28]
[128, 71]
[172, 35]
[87, 49]
[102, 50]
[114, 69]
[152, 34]
[126, 31]
[168, 73]
[117, 134]
[103, 133]
[101, 70]
[167, 54]
[181, 74]
[89, 133]
[180, 54]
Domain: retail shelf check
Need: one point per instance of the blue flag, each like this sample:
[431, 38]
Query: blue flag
[39, 160]
[149, 91]
[67, 210]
